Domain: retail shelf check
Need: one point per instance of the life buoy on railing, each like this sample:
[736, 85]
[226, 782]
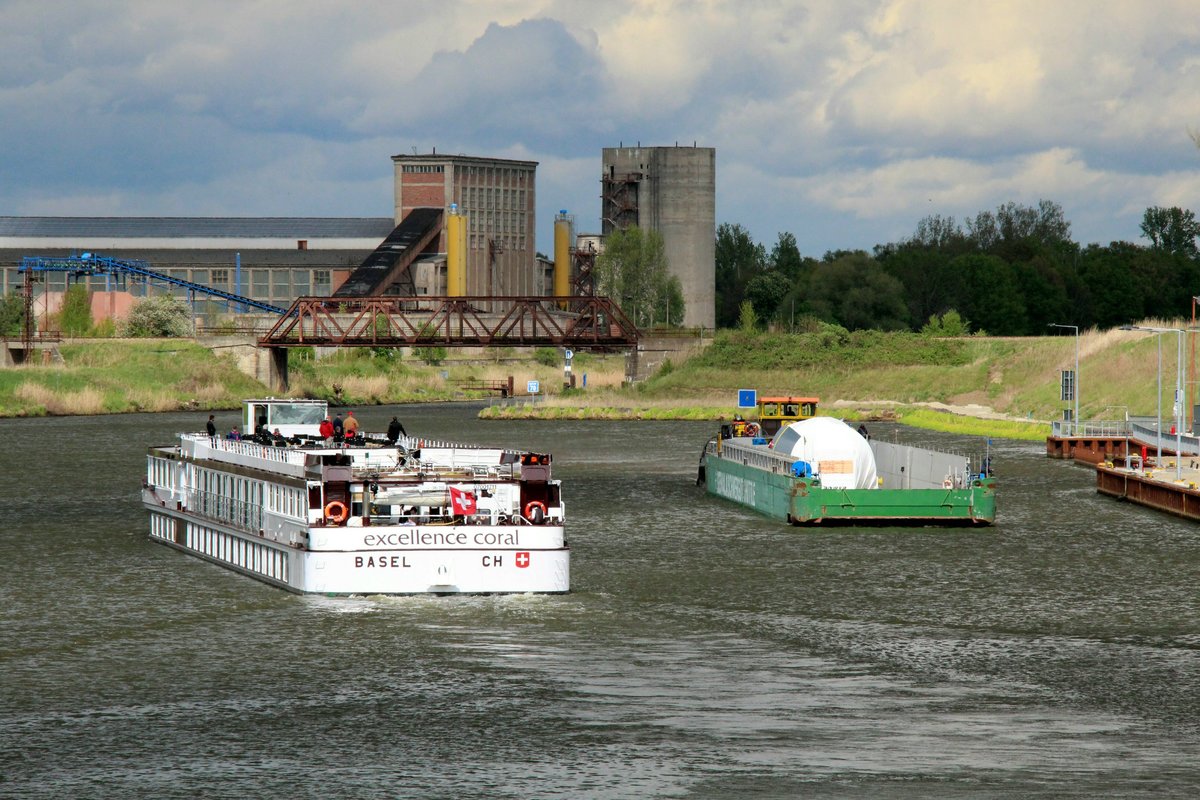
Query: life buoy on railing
[336, 512]
[535, 511]
[752, 429]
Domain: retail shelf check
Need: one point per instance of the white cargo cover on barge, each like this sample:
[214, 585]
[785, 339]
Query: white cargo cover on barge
[360, 516]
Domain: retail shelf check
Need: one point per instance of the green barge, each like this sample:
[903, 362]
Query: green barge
[819, 471]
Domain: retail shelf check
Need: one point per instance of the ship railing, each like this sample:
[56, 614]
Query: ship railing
[428, 470]
[238, 513]
[417, 443]
[280, 455]
[752, 456]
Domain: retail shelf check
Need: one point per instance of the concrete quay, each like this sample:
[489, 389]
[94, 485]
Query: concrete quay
[1162, 486]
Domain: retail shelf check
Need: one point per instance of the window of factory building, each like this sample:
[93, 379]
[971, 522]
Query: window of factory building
[423, 168]
[321, 282]
[300, 282]
[281, 285]
[200, 276]
[220, 279]
[260, 286]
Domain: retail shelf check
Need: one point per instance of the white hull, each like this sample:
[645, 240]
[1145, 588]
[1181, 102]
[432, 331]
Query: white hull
[316, 514]
[393, 562]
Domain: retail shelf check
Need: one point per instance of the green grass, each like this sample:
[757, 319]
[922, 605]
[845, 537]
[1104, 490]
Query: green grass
[878, 375]
[972, 426]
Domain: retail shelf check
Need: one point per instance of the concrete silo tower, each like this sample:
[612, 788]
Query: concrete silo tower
[671, 190]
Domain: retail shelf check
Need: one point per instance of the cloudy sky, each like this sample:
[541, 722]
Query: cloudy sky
[842, 121]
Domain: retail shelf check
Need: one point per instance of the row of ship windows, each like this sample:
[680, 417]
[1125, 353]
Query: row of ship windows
[159, 473]
[284, 500]
[250, 556]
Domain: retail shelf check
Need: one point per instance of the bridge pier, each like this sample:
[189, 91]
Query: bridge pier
[267, 365]
[277, 369]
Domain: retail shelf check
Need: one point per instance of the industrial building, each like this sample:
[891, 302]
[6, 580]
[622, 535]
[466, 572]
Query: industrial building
[270, 259]
[496, 197]
[671, 190]
[276, 260]
[461, 225]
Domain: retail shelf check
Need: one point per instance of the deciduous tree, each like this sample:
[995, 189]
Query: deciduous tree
[633, 271]
[738, 261]
[1171, 229]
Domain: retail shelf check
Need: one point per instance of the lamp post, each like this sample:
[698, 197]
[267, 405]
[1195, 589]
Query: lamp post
[1192, 364]
[1075, 381]
[1177, 409]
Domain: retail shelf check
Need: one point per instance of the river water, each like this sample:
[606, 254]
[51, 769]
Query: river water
[704, 652]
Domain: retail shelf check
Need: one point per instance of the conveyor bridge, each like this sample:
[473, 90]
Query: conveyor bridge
[390, 266]
[92, 264]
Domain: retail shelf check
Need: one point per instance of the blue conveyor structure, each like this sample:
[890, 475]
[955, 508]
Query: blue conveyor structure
[92, 264]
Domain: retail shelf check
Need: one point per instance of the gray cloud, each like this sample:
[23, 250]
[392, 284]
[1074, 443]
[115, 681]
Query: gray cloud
[842, 123]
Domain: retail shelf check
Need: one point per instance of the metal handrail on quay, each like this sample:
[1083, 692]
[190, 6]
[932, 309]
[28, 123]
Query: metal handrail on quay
[1100, 428]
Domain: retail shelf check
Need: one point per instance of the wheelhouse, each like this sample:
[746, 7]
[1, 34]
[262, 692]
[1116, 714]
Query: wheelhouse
[291, 416]
[775, 412]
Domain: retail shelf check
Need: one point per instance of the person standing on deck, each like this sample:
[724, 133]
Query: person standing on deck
[211, 427]
[351, 425]
[325, 430]
[339, 427]
[395, 430]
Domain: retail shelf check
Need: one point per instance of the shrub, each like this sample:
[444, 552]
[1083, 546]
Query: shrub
[75, 319]
[163, 315]
[949, 324]
[433, 355]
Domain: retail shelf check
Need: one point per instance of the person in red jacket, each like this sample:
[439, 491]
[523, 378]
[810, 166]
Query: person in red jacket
[326, 430]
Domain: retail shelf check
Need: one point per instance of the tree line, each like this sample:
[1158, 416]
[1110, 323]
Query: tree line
[1008, 272]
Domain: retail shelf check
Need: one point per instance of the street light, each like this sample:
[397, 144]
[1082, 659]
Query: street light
[1178, 405]
[1075, 381]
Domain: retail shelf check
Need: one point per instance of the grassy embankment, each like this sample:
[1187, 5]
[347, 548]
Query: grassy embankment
[1000, 387]
[120, 376]
[988, 386]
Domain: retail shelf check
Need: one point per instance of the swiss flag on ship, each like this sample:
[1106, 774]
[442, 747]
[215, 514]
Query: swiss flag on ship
[461, 502]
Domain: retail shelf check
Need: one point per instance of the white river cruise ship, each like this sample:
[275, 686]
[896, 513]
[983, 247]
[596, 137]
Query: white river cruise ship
[359, 516]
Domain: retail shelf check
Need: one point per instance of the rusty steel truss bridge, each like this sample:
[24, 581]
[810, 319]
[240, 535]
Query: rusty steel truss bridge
[594, 323]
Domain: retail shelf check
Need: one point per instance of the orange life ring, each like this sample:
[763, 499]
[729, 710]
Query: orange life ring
[752, 429]
[535, 505]
[336, 512]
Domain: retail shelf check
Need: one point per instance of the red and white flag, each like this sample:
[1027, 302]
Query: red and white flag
[461, 502]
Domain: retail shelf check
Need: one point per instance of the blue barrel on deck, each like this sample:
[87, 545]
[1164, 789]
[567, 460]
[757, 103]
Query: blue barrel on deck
[801, 469]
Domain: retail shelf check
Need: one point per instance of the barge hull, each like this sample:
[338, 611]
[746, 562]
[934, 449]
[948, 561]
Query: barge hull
[797, 501]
